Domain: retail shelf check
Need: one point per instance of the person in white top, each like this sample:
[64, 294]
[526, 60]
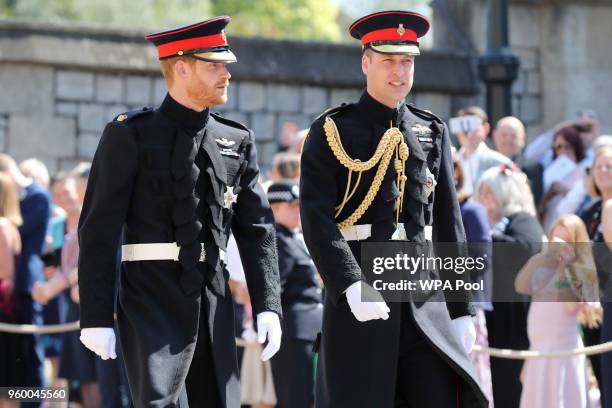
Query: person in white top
[475, 156]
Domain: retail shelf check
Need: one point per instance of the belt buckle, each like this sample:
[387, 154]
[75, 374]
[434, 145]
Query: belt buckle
[202, 253]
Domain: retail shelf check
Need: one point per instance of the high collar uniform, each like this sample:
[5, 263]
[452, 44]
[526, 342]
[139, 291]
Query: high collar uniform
[358, 362]
[161, 176]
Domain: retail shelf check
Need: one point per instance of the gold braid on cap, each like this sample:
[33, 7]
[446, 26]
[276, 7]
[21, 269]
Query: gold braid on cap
[391, 141]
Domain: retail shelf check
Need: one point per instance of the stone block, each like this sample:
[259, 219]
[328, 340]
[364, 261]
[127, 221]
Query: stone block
[70, 109]
[138, 90]
[519, 86]
[48, 136]
[264, 126]
[109, 88]
[159, 91]
[344, 95]
[232, 98]
[91, 117]
[314, 100]
[524, 26]
[533, 83]
[26, 89]
[240, 117]
[438, 104]
[530, 109]
[302, 121]
[529, 57]
[2, 139]
[265, 154]
[283, 98]
[68, 163]
[75, 85]
[87, 144]
[251, 96]
[112, 111]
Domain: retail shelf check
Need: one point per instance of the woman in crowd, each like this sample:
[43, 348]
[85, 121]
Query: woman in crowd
[76, 362]
[10, 247]
[516, 235]
[478, 235]
[598, 219]
[52, 311]
[567, 142]
[557, 279]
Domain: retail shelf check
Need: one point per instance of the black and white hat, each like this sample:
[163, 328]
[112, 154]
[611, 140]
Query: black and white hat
[285, 191]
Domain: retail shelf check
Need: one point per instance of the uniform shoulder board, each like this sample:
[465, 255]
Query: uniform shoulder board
[333, 111]
[127, 116]
[424, 114]
[228, 122]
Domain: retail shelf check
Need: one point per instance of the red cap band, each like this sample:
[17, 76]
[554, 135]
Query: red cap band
[209, 41]
[389, 34]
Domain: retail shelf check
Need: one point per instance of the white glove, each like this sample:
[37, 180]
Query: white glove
[100, 340]
[466, 332]
[372, 307]
[268, 326]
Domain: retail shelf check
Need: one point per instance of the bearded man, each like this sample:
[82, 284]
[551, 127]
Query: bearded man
[170, 184]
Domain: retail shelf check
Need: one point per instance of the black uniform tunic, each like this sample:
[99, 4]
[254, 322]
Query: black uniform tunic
[160, 176]
[359, 363]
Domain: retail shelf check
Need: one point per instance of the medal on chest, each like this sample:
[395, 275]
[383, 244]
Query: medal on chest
[430, 182]
[229, 197]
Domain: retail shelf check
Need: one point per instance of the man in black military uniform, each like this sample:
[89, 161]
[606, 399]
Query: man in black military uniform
[292, 367]
[373, 354]
[175, 180]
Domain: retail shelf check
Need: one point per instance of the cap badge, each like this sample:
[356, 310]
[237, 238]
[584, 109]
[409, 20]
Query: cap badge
[122, 117]
[401, 30]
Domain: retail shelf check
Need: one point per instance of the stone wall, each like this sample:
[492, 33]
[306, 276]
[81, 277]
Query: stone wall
[61, 84]
[565, 53]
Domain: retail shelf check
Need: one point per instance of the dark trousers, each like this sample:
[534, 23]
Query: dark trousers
[423, 379]
[292, 370]
[112, 380]
[201, 383]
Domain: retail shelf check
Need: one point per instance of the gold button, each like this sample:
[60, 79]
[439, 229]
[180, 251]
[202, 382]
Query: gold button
[180, 53]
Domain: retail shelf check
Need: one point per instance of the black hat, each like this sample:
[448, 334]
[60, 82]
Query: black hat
[284, 191]
[205, 40]
[390, 32]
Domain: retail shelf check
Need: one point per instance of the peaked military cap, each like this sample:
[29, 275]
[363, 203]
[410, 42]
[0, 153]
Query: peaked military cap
[205, 40]
[284, 191]
[390, 32]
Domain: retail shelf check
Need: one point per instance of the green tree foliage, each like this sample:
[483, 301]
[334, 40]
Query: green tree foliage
[297, 19]
[142, 14]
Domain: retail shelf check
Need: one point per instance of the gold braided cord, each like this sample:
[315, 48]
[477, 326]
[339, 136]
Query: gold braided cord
[340, 207]
[391, 142]
[372, 191]
[333, 139]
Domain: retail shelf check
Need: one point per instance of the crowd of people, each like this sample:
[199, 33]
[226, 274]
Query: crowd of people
[555, 190]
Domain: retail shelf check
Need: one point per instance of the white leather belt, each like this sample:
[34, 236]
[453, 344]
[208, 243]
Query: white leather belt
[361, 232]
[157, 252]
[357, 232]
